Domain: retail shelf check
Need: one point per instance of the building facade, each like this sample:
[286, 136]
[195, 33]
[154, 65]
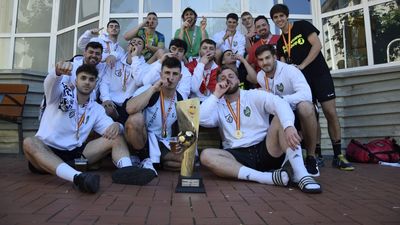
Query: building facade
[34, 34]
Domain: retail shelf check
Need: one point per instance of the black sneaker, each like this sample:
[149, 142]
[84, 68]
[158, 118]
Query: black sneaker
[133, 175]
[311, 166]
[320, 161]
[87, 182]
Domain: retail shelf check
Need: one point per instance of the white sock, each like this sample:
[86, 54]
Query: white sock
[124, 162]
[246, 173]
[66, 172]
[297, 163]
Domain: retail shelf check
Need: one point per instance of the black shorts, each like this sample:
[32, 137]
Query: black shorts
[322, 87]
[122, 114]
[297, 124]
[257, 157]
[69, 156]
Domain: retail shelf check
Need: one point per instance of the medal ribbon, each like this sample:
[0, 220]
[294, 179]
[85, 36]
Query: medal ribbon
[237, 116]
[80, 121]
[190, 42]
[125, 77]
[147, 35]
[267, 83]
[288, 45]
[230, 41]
[165, 115]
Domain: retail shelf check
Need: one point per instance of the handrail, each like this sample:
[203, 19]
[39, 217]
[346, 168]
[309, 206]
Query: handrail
[388, 48]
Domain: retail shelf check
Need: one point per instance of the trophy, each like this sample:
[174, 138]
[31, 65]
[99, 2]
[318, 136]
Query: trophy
[188, 121]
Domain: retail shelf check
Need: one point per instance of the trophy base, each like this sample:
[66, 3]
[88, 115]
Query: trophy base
[192, 184]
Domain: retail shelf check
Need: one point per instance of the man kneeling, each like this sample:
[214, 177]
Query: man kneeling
[253, 146]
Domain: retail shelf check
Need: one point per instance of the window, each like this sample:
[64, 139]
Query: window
[5, 49]
[385, 29]
[157, 6]
[331, 5]
[34, 16]
[124, 6]
[261, 7]
[298, 6]
[215, 25]
[125, 24]
[66, 14]
[65, 46]
[6, 12]
[165, 27]
[88, 9]
[347, 36]
[31, 53]
[207, 6]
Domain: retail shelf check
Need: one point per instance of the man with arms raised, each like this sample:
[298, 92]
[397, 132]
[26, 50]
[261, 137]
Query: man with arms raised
[154, 40]
[123, 80]
[112, 51]
[191, 33]
[54, 148]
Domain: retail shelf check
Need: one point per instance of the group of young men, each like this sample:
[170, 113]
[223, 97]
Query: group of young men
[128, 98]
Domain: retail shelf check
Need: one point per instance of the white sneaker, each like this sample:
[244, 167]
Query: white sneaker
[148, 164]
[135, 160]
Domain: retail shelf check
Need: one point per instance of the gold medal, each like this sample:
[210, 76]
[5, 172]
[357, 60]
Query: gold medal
[238, 134]
[164, 134]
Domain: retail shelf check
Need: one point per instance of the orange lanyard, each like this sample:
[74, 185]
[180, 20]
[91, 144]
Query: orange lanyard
[188, 38]
[266, 40]
[237, 116]
[165, 115]
[288, 45]
[80, 121]
[230, 41]
[125, 78]
[147, 38]
[267, 83]
[190, 42]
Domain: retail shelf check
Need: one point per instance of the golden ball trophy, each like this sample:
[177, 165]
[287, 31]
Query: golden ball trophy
[188, 121]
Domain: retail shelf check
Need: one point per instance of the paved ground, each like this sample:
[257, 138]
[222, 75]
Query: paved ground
[369, 195]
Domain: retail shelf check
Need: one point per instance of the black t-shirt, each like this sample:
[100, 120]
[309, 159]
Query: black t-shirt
[244, 83]
[300, 47]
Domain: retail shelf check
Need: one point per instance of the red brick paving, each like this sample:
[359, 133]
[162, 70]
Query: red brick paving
[369, 195]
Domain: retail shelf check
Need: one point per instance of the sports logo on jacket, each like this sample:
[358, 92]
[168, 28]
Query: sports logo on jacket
[118, 73]
[247, 111]
[71, 113]
[280, 87]
[228, 118]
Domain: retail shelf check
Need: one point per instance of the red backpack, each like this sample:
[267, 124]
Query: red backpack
[385, 150]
